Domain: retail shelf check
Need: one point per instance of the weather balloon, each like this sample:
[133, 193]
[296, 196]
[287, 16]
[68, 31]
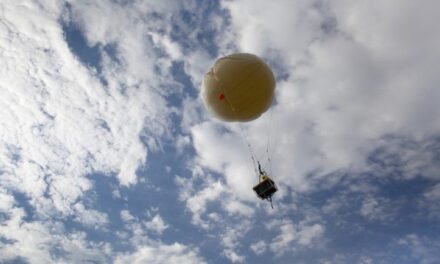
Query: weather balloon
[239, 87]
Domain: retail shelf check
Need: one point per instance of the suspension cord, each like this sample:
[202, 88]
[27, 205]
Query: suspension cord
[270, 200]
[251, 151]
[261, 172]
[259, 169]
[268, 142]
[255, 160]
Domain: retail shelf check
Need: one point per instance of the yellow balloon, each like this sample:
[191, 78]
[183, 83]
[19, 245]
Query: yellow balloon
[239, 87]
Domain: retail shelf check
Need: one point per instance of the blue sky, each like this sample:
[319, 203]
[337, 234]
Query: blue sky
[107, 154]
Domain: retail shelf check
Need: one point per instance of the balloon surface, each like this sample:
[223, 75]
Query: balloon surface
[239, 87]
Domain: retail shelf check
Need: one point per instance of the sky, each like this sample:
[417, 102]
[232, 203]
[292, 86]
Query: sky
[108, 155]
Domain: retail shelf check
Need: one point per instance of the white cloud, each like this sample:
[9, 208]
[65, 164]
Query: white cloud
[231, 238]
[141, 228]
[347, 83]
[172, 48]
[175, 254]
[198, 201]
[257, 26]
[233, 256]
[181, 143]
[308, 234]
[404, 158]
[366, 260]
[156, 225]
[348, 77]
[126, 216]
[59, 123]
[137, 234]
[259, 247]
[332, 205]
[134, 229]
[226, 153]
[236, 207]
[7, 200]
[283, 241]
[433, 193]
[294, 237]
[421, 249]
[36, 241]
[90, 217]
[378, 208]
[430, 202]
[233, 222]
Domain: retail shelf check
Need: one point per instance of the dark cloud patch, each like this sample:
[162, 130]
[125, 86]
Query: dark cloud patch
[405, 157]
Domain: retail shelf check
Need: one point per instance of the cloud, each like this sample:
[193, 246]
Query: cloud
[356, 96]
[196, 201]
[7, 201]
[429, 202]
[419, 248]
[60, 123]
[258, 247]
[39, 242]
[225, 152]
[344, 84]
[342, 97]
[49, 242]
[406, 158]
[233, 256]
[230, 241]
[63, 121]
[236, 207]
[90, 217]
[310, 233]
[138, 234]
[293, 237]
[378, 208]
[126, 216]
[156, 225]
[175, 253]
[433, 193]
[255, 25]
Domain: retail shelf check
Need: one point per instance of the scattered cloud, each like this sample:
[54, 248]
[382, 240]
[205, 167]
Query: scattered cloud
[231, 241]
[110, 89]
[378, 208]
[175, 253]
[259, 247]
[156, 225]
[364, 91]
[54, 244]
[418, 248]
[294, 237]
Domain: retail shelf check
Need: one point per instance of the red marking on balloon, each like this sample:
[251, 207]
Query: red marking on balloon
[221, 97]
